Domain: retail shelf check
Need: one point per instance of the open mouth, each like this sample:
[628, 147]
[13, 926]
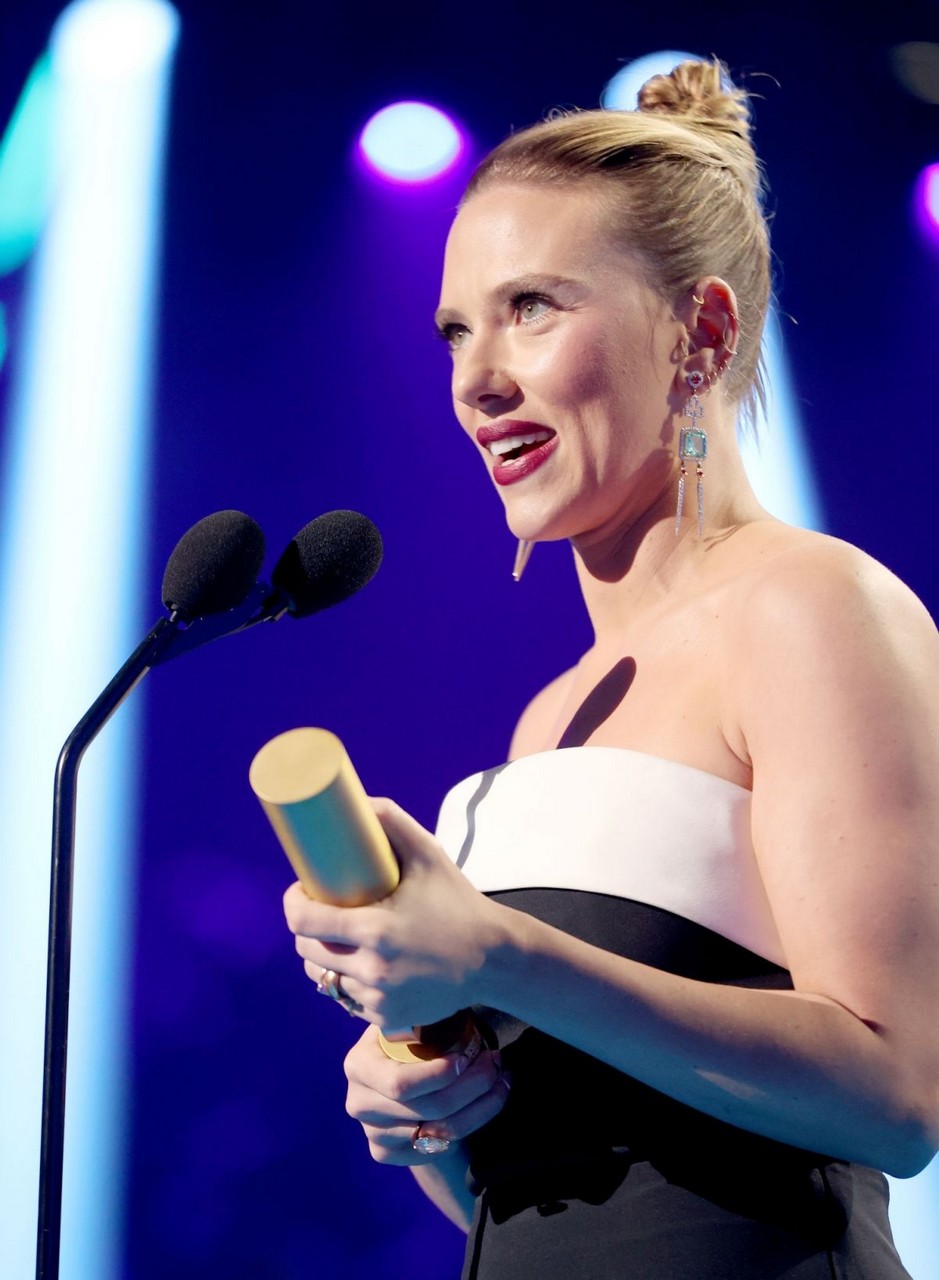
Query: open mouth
[514, 447]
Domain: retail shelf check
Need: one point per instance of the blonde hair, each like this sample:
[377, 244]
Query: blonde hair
[684, 187]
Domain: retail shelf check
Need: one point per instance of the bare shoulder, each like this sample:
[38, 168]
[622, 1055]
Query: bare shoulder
[797, 562]
[828, 649]
[536, 723]
[820, 589]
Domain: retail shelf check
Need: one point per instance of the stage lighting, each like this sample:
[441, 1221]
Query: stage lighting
[410, 142]
[73, 517]
[113, 39]
[926, 202]
[25, 168]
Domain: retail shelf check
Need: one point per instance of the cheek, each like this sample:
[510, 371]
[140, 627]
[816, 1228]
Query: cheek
[564, 377]
[595, 368]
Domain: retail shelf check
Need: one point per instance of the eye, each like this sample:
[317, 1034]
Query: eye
[454, 335]
[530, 307]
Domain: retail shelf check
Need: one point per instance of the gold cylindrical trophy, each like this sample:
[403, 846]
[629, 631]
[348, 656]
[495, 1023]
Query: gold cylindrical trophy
[318, 808]
[321, 814]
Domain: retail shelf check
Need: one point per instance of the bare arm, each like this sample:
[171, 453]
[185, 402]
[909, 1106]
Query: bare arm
[444, 1184]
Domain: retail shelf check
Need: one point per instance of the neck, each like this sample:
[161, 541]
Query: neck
[629, 572]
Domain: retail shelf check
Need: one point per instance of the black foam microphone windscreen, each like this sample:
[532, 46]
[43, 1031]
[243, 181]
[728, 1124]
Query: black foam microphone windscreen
[331, 558]
[214, 565]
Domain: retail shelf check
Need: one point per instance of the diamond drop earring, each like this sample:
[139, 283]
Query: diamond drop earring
[522, 554]
[692, 447]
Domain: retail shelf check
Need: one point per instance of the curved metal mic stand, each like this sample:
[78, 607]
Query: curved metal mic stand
[60, 940]
[168, 639]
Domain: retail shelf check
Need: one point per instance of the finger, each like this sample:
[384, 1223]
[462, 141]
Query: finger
[393, 1144]
[413, 843]
[394, 1147]
[356, 966]
[329, 955]
[474, 1115]
[369, 1106]
[354, 996]
[360, 976]
[332, 984]
[367, 1064]
[321, 920]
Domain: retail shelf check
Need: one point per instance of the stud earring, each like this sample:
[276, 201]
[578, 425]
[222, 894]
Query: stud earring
[692, 447]
[522, 556]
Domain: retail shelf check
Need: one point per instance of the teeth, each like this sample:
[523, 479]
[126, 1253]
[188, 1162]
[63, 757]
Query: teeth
[499, 447]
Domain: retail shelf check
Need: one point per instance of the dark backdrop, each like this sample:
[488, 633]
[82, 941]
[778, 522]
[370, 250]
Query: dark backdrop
[297, 372]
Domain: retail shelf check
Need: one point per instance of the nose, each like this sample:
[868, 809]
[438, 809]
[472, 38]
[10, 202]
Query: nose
[481, 379]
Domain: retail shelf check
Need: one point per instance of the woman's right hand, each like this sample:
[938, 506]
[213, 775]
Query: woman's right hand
[449, 1097]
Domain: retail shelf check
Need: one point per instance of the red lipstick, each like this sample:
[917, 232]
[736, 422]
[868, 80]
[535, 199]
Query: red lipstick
[515, 461]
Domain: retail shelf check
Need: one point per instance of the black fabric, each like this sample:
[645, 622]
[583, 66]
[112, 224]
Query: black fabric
[590, 1173]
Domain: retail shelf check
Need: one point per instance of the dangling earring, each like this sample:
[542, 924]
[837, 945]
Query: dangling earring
[522, 556]
[692, 446]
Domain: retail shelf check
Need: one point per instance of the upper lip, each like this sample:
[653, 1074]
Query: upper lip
[508, 427]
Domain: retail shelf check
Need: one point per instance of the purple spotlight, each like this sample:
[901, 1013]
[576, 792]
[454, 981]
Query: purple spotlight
[410, 142]
[926, 202]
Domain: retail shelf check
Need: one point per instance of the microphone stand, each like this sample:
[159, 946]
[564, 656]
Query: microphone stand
[170, 637]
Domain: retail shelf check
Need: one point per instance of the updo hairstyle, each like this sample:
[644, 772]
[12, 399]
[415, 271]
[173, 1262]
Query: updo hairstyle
[683, 186]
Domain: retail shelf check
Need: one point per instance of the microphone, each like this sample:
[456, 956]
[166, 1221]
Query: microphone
[214, 565]
[330, 559]
[211, 583]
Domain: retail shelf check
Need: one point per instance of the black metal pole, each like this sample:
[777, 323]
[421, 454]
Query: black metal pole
[170, 637]
[60, 941]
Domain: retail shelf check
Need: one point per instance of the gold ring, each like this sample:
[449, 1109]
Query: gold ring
[328, 984]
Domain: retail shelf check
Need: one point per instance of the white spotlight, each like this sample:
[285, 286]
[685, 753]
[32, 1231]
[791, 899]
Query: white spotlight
[71, 548]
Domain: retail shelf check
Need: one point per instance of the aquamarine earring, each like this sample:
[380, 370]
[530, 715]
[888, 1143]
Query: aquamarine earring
[692, 447]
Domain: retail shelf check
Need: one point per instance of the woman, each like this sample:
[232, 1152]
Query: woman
[715, 909]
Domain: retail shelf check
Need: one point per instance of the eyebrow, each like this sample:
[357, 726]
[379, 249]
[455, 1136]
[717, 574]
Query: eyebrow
[538, 283]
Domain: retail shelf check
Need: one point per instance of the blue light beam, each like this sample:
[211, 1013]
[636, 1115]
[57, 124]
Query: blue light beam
[71, 552]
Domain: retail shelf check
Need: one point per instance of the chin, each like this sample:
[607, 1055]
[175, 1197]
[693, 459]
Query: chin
[534, 531]
[559, 526]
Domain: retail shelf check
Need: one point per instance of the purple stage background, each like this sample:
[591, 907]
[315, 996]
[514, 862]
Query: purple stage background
[298, 372]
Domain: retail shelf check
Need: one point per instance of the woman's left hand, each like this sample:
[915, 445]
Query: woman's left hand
[413, 958]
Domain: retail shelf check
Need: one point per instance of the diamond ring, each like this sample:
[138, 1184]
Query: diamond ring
[426, 1144]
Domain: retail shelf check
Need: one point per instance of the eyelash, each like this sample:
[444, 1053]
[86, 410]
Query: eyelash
[447, 333]
[521, 299]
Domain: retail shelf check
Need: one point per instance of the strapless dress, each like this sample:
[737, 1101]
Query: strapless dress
[587, 1172]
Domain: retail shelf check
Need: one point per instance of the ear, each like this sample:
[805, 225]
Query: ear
[709, 315]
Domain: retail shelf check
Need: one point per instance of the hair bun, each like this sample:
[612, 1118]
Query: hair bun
[698, 90]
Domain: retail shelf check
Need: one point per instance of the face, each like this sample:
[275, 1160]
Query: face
[563, 362]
